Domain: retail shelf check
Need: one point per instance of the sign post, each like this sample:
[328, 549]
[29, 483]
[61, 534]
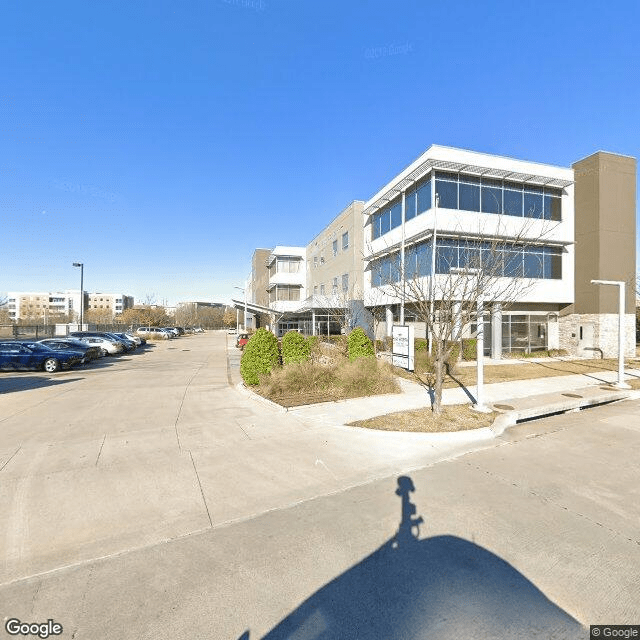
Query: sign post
[403, 350]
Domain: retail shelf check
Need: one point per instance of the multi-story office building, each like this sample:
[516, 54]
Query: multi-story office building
[544, 227]
[545, 230]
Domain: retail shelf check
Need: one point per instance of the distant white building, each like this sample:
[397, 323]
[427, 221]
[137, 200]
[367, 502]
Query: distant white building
[51, 306]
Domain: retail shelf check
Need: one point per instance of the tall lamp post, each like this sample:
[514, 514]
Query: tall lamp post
[244, 290]
[81, 265]
[621, 384]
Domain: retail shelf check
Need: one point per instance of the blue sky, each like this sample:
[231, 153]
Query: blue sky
[160, 142]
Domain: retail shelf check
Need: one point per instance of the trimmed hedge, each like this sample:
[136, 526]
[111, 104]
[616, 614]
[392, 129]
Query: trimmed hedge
[359, 345]
[260, 356]
[294, 348]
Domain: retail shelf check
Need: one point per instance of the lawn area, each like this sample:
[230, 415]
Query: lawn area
[521, 370]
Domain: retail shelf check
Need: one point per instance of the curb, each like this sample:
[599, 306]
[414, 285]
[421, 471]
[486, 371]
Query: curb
[241, 387]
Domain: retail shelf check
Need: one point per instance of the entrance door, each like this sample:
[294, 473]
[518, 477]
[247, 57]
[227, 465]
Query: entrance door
[585, 339]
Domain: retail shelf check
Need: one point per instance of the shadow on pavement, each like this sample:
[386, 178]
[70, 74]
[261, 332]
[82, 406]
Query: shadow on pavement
[10, 384]
[440, 587]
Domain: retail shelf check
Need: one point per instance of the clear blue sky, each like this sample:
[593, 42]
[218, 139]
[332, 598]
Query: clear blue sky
[160, 142]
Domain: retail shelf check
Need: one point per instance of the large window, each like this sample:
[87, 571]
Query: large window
[287, 293]
[345, 282]
[288, 265]
[345, 240]
[335, 248]
[515, 261]
[417, 201]
[488, 195]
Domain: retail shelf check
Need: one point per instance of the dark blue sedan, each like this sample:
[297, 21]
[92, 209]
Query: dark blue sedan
[21, 354]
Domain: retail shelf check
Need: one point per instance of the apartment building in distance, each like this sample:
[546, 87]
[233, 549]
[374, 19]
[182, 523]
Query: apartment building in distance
[115, 303]
[549, 229]
[60, 306]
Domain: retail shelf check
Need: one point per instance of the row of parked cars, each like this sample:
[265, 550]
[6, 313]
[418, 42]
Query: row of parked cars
[79, 347]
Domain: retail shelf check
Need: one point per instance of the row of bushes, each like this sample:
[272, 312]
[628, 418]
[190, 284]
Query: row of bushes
[263, 352]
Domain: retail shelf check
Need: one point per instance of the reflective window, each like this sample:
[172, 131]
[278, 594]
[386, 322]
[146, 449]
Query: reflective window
[396, 215]
[469, 193]
[552, 207]
[385, 222]
[345, 240]
[532, 202]
[410, 205]
[446, 255]
[491, 196]
[447, 193]
[424, 197]
[513, 202]
[534, 263]
[335, 248]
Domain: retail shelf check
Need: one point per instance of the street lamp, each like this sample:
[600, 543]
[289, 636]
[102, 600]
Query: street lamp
[244, 290]
[621, 384]
[81, 265]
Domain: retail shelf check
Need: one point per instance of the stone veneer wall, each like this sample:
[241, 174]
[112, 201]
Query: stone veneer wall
[605, 334]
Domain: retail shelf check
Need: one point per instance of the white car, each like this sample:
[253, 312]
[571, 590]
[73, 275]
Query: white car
[107, 346]
[153, 332]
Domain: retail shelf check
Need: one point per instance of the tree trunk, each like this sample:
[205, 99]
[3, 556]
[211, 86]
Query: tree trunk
[439, 379]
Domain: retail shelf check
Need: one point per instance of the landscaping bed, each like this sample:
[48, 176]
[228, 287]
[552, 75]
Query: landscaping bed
[452, 418]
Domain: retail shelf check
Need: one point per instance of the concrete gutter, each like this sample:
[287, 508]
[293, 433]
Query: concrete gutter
[530, 407]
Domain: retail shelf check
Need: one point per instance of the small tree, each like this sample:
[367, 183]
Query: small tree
[294, 348]
[260, 356]
[360, 345]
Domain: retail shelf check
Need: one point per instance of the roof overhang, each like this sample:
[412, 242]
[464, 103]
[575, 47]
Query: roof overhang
[251, 306]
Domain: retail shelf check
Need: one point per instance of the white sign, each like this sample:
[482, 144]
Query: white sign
[403, 351]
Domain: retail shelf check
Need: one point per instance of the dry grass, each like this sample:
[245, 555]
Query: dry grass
[308, 383]
[522, 370]
[452, 418]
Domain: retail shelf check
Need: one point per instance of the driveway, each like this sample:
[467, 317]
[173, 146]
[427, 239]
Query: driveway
[148, 498]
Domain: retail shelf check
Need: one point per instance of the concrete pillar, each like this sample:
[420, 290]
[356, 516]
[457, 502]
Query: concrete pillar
[313, 322]
[389, 320]
[496, 331]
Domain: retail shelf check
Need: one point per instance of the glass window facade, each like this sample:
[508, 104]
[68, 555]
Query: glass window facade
[509, 260]
[524, 333]
[417, 201]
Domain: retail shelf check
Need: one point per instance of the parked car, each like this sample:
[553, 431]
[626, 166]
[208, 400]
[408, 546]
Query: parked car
[242, 340]
[58, 344]
[232, 331]
[130, 336]
[172, 330]
[108, 346]
[128, 345]
[154, 332]
[22, 354]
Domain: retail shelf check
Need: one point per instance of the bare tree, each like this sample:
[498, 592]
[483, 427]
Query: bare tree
[470, 269]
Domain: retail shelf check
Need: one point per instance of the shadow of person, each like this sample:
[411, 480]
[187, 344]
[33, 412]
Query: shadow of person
[408, 523]
[440, 587]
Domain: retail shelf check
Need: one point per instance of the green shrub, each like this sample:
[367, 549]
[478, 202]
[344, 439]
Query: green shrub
[294, 348]
[260, 356]
[469, 351]
[359, 345]
[421, 344]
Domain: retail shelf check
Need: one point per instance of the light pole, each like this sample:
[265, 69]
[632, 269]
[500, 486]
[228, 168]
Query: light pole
[621, 384]
[244, 290]
[81, 265]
